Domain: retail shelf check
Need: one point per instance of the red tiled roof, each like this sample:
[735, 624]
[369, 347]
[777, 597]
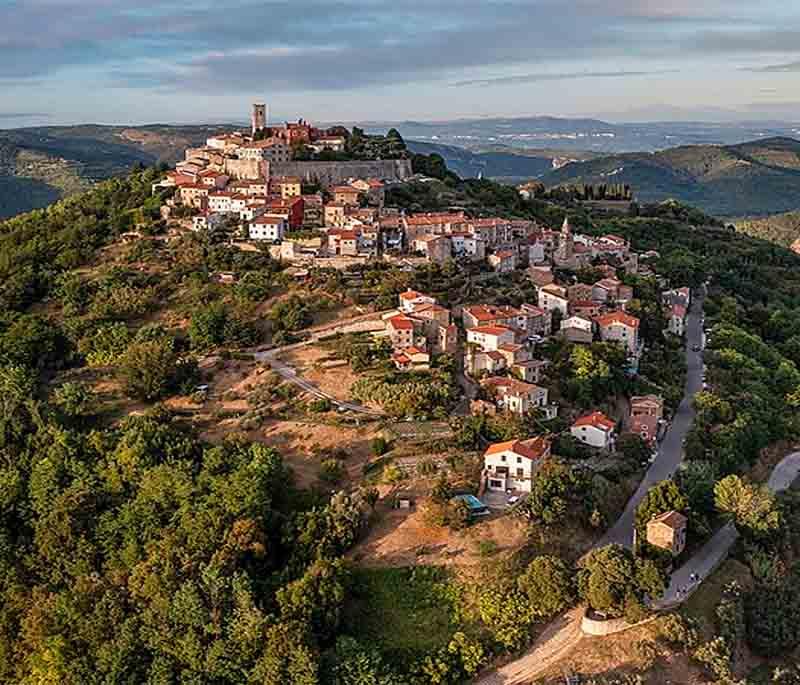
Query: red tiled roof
[411, 295]
[673, 519]
[402, 323]
[432, 219]
[609, 283]
[533, 449]
[597, 419]
[618, 317]
[491, 330]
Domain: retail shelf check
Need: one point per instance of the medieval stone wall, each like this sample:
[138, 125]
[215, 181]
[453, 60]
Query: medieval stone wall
[333, 173]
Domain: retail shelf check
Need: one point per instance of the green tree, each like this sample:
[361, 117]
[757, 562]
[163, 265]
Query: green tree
[752, 508]
[316, 599]
[547, 581]
[634, 448]
[612, 578]
[148, 370]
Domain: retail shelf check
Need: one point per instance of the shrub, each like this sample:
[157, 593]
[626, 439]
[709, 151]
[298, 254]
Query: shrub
[380, 446]
[331, 470]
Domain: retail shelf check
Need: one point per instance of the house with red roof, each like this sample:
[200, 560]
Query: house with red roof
[678, 314]
[410, 299]
[401, 331]
[595, 430]
[490, 338]
[620, 327]
[411, 359]
[668, 531]
[514, 395]
[511, 466]
[503, 261]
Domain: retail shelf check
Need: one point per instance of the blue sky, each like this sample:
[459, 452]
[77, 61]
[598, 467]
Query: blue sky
[120, 61]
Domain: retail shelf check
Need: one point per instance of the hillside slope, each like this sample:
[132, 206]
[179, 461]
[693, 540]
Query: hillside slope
[40, 165]
[760, 177]
[783, 229]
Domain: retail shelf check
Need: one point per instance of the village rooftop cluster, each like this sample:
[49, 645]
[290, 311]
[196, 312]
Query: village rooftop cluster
[325, 214]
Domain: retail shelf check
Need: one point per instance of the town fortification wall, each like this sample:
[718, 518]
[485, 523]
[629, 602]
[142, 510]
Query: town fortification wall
[333, 173]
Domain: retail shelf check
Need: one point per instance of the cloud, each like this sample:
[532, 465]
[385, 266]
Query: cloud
[24, 115]
[789, 68]
[534, 78]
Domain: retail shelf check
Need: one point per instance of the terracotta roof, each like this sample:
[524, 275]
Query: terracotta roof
[432, 219]
[266, 219]
[410, 295]
[673, 519]
[495, 355]
[678, 310]
[489, 312]
[414, 350]
[597, 419]
[402, 323]
[618, 317]
[609, 283]
[504, 254]
[533, 449]
[510, 385]
[555, 290]
[400, 357]
[490, 330]
[653, 400]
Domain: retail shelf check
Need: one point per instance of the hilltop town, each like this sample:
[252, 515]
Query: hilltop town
[318, 405]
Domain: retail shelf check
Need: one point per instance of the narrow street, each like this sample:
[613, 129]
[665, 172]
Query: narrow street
[564, 632]
[670, 452]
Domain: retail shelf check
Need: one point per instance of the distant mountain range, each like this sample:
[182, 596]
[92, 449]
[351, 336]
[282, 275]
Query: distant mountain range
[718, 172]
[39, 165]
[755, 178]
[592, 135]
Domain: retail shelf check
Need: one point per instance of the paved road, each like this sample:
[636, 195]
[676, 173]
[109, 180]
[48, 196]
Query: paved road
[364, 323]
[670, 453]
[684, 581]
[564, 633]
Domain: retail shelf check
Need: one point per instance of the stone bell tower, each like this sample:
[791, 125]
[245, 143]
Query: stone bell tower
[258, 119]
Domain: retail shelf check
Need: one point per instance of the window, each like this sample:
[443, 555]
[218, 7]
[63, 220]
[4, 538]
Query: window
[519, 460]
[520, 473]
[503, 457]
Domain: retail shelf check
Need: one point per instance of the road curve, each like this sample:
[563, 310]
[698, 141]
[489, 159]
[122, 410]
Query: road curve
[285, 371]
[564, 633]
[685, 580]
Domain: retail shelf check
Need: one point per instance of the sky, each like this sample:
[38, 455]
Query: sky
[148, 61]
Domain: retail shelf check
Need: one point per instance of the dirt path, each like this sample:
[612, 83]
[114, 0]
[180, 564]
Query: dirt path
[557, 640]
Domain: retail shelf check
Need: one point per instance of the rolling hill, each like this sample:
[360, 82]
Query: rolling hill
[40, 165]
[756, 178]
[783, 229]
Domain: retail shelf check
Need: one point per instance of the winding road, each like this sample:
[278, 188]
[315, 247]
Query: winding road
[366, 322]
[685, 580]
[670, 452]
[561, 636]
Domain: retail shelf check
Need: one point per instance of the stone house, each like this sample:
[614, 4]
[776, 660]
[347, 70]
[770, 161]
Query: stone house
[668, 531]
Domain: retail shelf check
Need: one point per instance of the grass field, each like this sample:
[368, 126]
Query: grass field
[405, 612]
[703, 604]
